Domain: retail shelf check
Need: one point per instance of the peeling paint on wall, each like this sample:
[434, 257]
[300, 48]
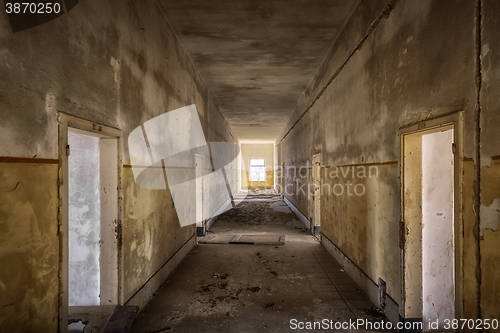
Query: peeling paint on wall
[413, 65]
[490, 216]
[29, 247]
[97, 69]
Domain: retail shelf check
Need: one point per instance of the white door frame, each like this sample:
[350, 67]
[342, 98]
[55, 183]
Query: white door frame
[316, 169]
[198, 165]
[65, 123]
[410, 225]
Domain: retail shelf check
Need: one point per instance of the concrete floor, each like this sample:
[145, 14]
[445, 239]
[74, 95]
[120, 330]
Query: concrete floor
[88, 319]
[255, 288]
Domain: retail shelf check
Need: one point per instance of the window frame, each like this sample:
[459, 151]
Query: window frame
[263, 166]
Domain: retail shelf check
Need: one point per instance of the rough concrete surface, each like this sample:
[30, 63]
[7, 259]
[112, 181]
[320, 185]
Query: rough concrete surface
[29, 247]
[416, 62]
[255, 288]
[490, 160]
[259, 214]
[113, 63]
[257, 57]
[389, 64]
[89, 319]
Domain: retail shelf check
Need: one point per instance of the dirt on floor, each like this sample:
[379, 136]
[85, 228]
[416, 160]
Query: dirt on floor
[259, 214]
[256, 288]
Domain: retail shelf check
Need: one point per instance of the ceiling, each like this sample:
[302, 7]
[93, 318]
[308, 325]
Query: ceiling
[257, 57]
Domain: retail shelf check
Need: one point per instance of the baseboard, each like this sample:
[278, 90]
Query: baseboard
[298, 213]
[214, 218]
[362, 280]
[146, 292]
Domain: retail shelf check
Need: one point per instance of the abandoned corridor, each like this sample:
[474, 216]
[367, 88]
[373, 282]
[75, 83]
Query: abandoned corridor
[256, 287]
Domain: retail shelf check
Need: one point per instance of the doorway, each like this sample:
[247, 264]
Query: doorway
[84, 208]
[200, 227]
[316, 226]
[90, 217]
[430, 227]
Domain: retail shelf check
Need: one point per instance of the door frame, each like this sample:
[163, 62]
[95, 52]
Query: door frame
[65, 122]
[316, 170]
[200, 223]
[455, 121]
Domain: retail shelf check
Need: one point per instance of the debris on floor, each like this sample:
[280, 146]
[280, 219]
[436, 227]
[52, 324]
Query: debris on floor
[220, 276]
[76, 327]
[254, 288]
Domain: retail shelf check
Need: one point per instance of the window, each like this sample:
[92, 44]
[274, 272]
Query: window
[257, 170]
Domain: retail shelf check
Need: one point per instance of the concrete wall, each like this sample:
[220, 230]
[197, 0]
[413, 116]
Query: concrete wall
[393, 65]
[489, 234]
[265, 151]
[115, 63]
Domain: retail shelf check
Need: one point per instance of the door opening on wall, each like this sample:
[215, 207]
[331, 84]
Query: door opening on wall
[200, 228]
[317, 195]
[429, 228]
[438, 246]
[90, 211]
[84, 220]
[92, 219]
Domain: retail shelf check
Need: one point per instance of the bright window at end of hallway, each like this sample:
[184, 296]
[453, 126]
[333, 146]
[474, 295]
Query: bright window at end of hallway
[257, 170]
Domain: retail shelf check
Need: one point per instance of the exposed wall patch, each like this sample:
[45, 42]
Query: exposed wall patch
[490, 216]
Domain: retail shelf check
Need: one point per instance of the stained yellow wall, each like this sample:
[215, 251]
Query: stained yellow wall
[490, 240]
[489, 228]
[151, 232]
[419, 62]
[106, 71]
[371, 218]
[265, 151]
[29, 246]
